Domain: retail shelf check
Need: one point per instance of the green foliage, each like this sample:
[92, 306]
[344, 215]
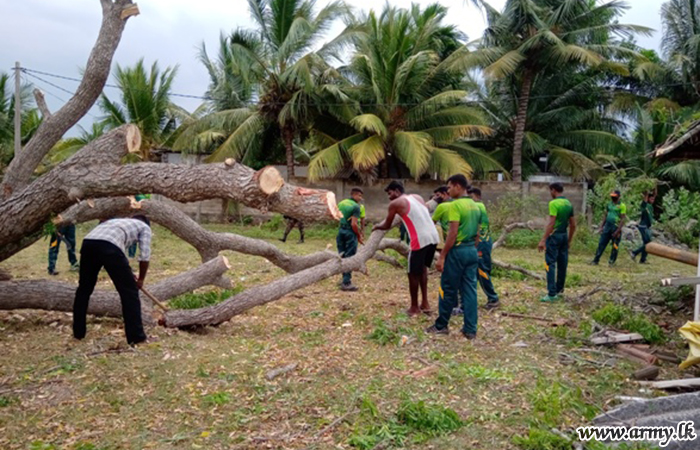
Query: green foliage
[6, 401]
[514, 207]
[622, 317]
[519, 239]
[552, 402]
[460, 371]
[681, 215]
[387, 333]
[275, 224]
[541, 439]
[65, 365]
[41, 445]
[194, 301]
[217, 398]
[677, 294]
[414, 421]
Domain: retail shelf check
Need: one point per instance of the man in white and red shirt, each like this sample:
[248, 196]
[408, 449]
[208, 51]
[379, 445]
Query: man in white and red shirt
[424, 239]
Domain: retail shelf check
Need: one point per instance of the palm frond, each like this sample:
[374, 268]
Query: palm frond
[367, 153]
[369, 123]
[414, 149]
[331, 160]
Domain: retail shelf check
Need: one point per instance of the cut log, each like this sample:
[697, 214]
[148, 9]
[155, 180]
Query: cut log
[130, 10]
[269, 180]
[687, 383]
[647, 373]
[613, 338]
[639, 354]
[673, 254]
[33, 294]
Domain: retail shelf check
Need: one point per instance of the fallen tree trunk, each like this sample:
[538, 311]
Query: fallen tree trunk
[58, 296]
[673, 254]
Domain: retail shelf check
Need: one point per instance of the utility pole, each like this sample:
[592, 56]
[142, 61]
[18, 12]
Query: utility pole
[18, 111]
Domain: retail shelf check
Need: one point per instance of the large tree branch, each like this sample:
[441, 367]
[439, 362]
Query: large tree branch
[56, 125]
[513, 226]
[41, 104]
[59, 296]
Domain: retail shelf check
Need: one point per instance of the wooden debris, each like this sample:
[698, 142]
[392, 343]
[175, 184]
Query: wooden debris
[687, 383]
[274, 373]
[551, 322]
[425, 371]
[637, 353]
[612, 337]
[647, 373]
[665, 355]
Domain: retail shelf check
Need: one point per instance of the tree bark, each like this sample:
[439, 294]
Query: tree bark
[288, 136]
[520, 122]
[95, 172]
[59, 296]
[513, 226]
[55, 126]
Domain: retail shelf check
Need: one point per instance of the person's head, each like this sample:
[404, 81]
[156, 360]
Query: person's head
[440, 194]
[475, 193]
[394, 190]
[615, 196]
[651, 197]
[457, 185]
[556, 189]
[357, 194]
[142, 218]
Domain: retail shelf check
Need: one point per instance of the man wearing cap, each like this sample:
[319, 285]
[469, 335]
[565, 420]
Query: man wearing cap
[611, 229]
[414, 215]
[349, 233]
[484, 252]
[644, 226]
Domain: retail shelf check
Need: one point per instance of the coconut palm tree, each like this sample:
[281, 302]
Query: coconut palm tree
[145, 102]
[413, 111]
[533, 38]
[681, 41]
[293, 83]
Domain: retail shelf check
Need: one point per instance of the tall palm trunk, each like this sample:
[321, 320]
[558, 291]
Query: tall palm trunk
[288, 136]
[520, 120]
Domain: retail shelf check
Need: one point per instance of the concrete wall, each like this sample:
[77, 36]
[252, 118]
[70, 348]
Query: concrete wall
[376, 201]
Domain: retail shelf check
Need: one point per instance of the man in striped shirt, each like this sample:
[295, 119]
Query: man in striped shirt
[106, 246]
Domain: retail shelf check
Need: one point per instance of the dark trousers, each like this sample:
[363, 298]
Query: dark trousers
[646, 238]
[484, 272]
[94, 255]
[556, 261]
[291, 223]
[66, 234]
[605, 238]
[458, 283]
[347, 247]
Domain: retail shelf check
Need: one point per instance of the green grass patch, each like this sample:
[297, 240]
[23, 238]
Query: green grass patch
[6, 401]
[387, 333]
[202, 300]
[217, 398]
[622, 317]
[553, 401]
[540, 439]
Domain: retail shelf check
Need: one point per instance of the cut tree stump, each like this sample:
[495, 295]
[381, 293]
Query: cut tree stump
[637, 353]
[646, 373]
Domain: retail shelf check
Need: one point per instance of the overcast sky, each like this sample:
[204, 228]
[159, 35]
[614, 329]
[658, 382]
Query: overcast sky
[56, 36]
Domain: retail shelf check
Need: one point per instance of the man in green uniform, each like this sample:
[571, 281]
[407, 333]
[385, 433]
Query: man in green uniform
[363, 215]
[611, 229]
[67, 235]
[644, 226]
[349, 233]
[459, 261]
[484, 252]
[557, 241]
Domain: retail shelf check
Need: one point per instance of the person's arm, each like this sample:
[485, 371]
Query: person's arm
[356, 229]
[362, 225]
[623, 217]
[144, 254]
[143, 269]
[393, 207]
[572, 229]
[602, 225]
[548, 230]
[449, 243]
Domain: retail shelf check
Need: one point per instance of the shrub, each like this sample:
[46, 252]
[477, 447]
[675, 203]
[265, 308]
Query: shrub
[194, 301]
[623, 317]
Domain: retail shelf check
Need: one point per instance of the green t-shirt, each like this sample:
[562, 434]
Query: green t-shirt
[440, 216]
[348, 208]
[362, 211]
[561, 208]
[615, 212]
[485, 230]
[139, 197]
[647, 214]
[465, 211]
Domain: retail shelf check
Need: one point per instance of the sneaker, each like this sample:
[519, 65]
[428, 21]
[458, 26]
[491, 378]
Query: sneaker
[348, 287]
[469, 336]
[53, 272]
[457, 311]
[549, 299]
[75, 267]
[632, 255]
[643, 262]
[593, 263]
[492, 305]
[434, 330]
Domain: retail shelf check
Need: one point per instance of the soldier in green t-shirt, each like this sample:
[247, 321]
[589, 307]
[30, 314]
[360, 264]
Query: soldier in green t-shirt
[484, 252]
[557, 241]
[611, 229]
[644, 226]
[458, 260]
[349, 233]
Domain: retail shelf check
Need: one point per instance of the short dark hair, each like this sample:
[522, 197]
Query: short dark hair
[356, 189]
[460, 180]
[142, 218]
[440, 190]
[556, 186]
[395, 186]
[475, 190]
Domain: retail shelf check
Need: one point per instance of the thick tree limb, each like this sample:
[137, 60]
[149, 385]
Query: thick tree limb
[382, 257]
[513, 226]
[95, 172]
[508, 266]
[59, 296]
[41, 104]
[56, 125]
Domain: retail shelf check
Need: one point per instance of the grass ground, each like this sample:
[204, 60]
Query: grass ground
[208, 390]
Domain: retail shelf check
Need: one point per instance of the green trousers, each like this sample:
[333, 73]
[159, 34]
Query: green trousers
[484, 272]
[556, 261]
[605, 239]
[458, 283]
[646, 238]
[66, 234]
[347, 247]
